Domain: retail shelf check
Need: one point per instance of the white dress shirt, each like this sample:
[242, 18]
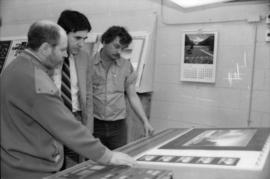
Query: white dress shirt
[73, 81]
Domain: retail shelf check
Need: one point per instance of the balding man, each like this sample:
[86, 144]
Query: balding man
[35, 123]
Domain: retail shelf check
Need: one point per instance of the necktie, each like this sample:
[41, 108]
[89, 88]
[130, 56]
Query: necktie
[65, 84]
[71, 157]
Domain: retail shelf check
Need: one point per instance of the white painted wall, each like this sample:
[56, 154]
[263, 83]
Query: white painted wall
[240, 102]
[177, 104]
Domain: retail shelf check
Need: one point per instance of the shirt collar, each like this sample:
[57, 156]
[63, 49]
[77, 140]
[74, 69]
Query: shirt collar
[70, 56]
[98, 59]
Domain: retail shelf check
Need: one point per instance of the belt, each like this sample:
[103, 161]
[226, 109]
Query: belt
[104, 121]
[78, 115]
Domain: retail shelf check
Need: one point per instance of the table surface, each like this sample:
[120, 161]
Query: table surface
[143, 144]
[138, 147]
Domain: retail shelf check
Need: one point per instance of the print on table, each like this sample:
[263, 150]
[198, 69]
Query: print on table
[149, 158]
[230, 161]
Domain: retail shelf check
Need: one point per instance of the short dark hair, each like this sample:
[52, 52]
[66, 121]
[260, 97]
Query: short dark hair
[116, 31]
[73, 21]
[40, 32]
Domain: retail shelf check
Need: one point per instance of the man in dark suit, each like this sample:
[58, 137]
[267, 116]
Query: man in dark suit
[77, 26]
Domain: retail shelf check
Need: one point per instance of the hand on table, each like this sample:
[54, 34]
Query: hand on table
[119, 158]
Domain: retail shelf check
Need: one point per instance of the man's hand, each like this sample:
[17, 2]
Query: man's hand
[149, 130]
[119, 158]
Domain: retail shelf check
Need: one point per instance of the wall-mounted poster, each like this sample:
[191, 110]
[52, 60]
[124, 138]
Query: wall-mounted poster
[198, 62]
[4, 49]
[10, 48]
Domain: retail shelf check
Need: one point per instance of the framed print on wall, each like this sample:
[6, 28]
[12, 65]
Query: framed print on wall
[198, 61]
[4, 49]
[10, 48]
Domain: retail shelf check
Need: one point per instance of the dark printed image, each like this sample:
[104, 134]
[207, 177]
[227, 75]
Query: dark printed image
[251, 139]
[9, 50]
[199, 48]
[19, 47]
[4, 49]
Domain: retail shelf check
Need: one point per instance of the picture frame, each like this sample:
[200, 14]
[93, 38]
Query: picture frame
[198, 60]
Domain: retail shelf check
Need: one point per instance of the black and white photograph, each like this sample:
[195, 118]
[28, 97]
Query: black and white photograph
[185, 159]
[228, 161]
[166, 159]
[135, 89]
[205, 160]
[223, 138]
[149, 158]
[199, 48]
